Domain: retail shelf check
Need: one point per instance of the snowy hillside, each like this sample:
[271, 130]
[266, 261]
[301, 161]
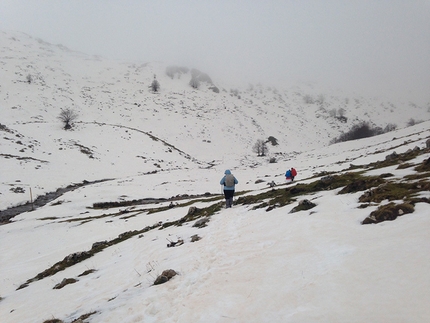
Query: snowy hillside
[125, 129]
[133, 190]
[71, 261]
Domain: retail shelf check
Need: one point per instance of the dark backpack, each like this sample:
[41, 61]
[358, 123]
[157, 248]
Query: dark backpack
[229, 180]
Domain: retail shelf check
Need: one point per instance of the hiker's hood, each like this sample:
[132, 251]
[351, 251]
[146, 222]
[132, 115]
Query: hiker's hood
[227, 172]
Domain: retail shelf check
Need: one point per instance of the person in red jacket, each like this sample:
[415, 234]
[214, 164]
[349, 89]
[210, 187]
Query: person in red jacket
[293, 173]
[290, 174]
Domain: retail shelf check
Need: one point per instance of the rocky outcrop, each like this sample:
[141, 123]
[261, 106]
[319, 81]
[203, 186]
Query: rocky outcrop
[165, 276]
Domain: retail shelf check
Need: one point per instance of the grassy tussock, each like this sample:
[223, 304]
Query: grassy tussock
[392, 191]
[79, 319]
[388, 212]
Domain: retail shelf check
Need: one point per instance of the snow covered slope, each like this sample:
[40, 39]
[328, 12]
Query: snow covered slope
[250, 265]
[125, 129]
[135, 152]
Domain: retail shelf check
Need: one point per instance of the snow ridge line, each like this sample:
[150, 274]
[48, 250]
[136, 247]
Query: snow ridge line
[186, 155]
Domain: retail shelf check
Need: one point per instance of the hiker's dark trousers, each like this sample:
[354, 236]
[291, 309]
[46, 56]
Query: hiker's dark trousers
[228, 194]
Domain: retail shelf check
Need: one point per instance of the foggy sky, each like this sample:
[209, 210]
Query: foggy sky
[371, 46]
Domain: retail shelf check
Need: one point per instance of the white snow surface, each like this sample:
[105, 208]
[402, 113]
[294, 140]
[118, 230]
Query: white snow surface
[320, 265]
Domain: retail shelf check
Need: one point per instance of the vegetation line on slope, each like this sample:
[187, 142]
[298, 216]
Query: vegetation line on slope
[376, 189]
[188, 156]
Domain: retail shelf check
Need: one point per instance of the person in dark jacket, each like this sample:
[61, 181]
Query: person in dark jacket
[229, 182]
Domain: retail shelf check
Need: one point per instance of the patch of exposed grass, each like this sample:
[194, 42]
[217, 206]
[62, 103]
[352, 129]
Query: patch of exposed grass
[405, 165]
[417, 176]
[135, 212]
[282, 197]
[385, 175]
[424, 167]
[303, 206]
[207, 197]
[326, 183]
[87, 272]
[388, 212]
[64, 282]
[104, 215]
[59, 202]
[48, 218]
[258, 198]
[80, 319]
[396, 159]
[109, 205]
[394, 191]
[415, 200]
[362, 184]
[261, 206]
[195, 213]
[188, 203]
[393, 159]
[84, 317]
[276, 197]
[364, 205]
[354, 167]
[377, 188]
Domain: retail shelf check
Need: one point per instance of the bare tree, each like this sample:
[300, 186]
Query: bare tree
[413, 122]
[260, 147]
[155, 85]
[68, 116]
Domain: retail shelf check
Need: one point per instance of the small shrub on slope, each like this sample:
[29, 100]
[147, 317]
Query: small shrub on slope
[358, 131]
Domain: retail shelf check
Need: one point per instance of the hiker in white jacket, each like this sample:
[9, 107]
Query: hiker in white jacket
[229, 182]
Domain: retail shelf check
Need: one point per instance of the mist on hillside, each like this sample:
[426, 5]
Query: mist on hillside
[371, 48]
